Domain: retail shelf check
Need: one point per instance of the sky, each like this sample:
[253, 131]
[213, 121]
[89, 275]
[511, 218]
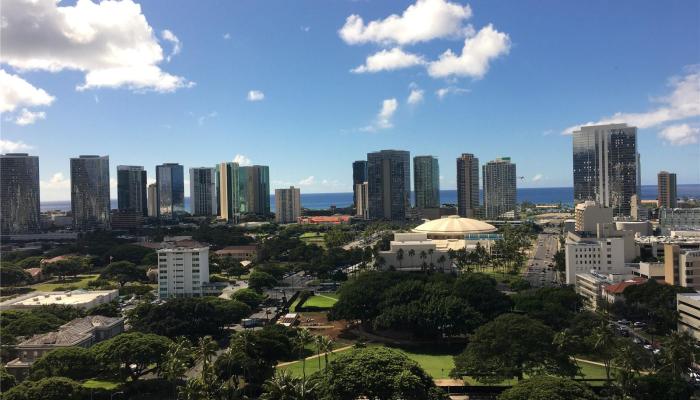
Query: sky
[307, 87]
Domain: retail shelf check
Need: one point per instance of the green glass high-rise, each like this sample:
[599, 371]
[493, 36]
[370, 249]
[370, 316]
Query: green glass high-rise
[426, 182]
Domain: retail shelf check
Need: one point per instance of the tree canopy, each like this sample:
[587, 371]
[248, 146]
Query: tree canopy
[71, 362]
[123, 272]
[543, 387]
[131, 353]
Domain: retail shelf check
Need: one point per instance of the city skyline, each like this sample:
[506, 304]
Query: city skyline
[214, 85]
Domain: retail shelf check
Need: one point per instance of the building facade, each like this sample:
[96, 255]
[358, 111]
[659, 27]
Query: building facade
[668, 189]
[229, 191]
[153, 200]
[607, 252]
[287, 205]
[467, 185]
[688, 307]
[589, 214]
[257, 188]
[682, 266]
[89, 192]
[170, 178]
[500, 188]
[426, 182]
[182, 271]
[203, 201]
[362, 209]
[388, 184]
[359, 176]
[131, 189]
[679, 219]
[606, 166]
[19, 191]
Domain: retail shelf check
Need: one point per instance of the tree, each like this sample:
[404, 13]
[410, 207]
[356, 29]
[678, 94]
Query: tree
[132, 253]
[12, 275]
[259, 280]
[629, 360]
[545, 387]
[509, 347]
[326, 347]
[7, 381]
[678, 354]
[554, 306]
[70, 266]
[55, 388]
[249, 297]
[377, 373]
[76, 363]
[177, 361]
[123, 271]
[399, 256]
[604, 345]
[480, 291]
[110, 309]
[132, 353]
[304, 338]
[662, 387]
[284, 386]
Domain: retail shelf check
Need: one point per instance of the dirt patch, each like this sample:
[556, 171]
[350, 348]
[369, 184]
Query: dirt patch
[318, 324]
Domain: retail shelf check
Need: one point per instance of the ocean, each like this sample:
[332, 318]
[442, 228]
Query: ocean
[319, 201]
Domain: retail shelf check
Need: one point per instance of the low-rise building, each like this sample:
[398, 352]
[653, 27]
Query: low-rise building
[246, 252]
[688, 307]
[325, 220]
[651, 270]
[592, 286]
[182, 271]
[83, 299]
[415, 252]
[608, 252]
[679, 219]
[589, 214]
[612, 293]
[682, 266]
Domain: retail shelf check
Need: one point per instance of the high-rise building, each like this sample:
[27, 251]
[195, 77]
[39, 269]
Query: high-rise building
[89, 197]
[287, 205]
[203, 199]
[170, 178]
[229, 191]
[389, 184]
[467, 185]
[426, 182]
[499, 188]
[19, 191]
[153, 200]
[362, 209]
[131, 189]
[182, 271]
[257, 189]
[359, 175]
[667, 187]
[606, 166]
[243, 190]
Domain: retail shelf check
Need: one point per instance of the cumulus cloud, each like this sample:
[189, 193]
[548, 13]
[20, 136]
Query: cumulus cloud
[27, 117]
[56, 188]
[537, 177]
[111, 42]
[420, 22]
[305, 28]
[442, 92]
[307, 181]
[16, 92]
[680, 135]
[242, 160]
[389, 60]
[9, 146]
[415, 97]
[477, 53]
[256, 95]
[681, 103]
[383, 119]
[170, 37]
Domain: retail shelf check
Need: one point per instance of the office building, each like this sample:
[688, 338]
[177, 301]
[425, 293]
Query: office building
[182, 271]
[170, 178]
[19, 191]
[362, 209]
[89, 186]
[203, 201]
[467, 185]
[607, 252]
[153, 200]
[688, 307]
[668, 191]
[681, 266]
[426, 182]
[131, 189]
[256, 188]
[606, 166]
[388, 184]
[229, 191]
[359, 176]
[499, 188]
[287, 205]
[679, 219]
[589, 214]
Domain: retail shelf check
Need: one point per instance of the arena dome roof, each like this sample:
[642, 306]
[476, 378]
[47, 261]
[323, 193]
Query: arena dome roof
[454, 226]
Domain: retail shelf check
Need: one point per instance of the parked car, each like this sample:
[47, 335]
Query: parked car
[639, 324]
[623, 322]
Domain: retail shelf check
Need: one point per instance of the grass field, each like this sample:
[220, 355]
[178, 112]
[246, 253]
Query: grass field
[80, 283]
[325, 300]
[100, 384]
[317, 238]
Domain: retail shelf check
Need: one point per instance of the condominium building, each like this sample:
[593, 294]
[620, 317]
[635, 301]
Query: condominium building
[589, 214]
[467, 185]
[257, 188]
[19, 193]
[359, 176]
[182, 271]
[229, 189]
[203, 200]
[131, 189]
[89, 183]
[688, 307]
[153, 200]
[170, 178]
[287, 205]
[362, 208]
[388, 184]
[500, 188]
[426, 182]
[606, 166]
[668, 190]
[681, 266]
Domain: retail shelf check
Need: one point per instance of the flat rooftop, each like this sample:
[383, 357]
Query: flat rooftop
[75, 298]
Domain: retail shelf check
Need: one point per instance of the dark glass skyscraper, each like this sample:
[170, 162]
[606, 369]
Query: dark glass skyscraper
[467, 185]
[257, 188]
[359, 176]
[203, 199]
[606, 166]
[171, 190]
[426, 181]
[89, 192]
[19, 191]
[499, 188]
[132, 189]
[388, 184]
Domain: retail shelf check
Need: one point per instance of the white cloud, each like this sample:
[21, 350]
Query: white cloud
[420, 22]
[111, 42]
[305, 28]
[680, 135]
[477, 53]
[226, 36]
[177, 46]
[683, 102]
[203, 118]
[16, 92]
[256, 95]
[442, 92]
[389, 60]
[383, 119]
[57, 188]
[27, 117]
[242, 160]
[8, 146]
[537, 177]
[415, 97]
[307, 181]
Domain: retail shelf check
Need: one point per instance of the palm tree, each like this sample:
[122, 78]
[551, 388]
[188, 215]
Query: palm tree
[423, 255]
[411, 253]
[678, 352]
[441, 260]
[177, 360]
[380, 261]
[604, 344]
[430, 253]
[399, 256]
[284, 386]
[205, 351]
[327, 347]
[319, 346]
[304, 337]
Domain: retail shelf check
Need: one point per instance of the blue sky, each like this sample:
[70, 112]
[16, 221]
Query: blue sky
[529, 70]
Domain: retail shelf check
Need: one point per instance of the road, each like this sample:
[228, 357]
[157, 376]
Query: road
[539, 272]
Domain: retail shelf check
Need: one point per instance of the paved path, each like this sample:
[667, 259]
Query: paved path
[312, 357]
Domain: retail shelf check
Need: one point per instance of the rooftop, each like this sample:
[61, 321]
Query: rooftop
[618, 288]
[71, 333]
[454, 225]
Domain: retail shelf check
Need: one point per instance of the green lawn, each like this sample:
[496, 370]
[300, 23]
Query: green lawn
[317, 238]
[101, 384]
[325, 300]
[80, 282]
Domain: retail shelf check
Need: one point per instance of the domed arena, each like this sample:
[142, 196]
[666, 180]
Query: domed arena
[453, 227]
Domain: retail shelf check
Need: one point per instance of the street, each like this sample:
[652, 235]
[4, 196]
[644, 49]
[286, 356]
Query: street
[540, 271]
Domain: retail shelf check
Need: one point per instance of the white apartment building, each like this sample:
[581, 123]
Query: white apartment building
[603, 254]
[589, 214]
[688, 307]
[182, 271]
[287, 205]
